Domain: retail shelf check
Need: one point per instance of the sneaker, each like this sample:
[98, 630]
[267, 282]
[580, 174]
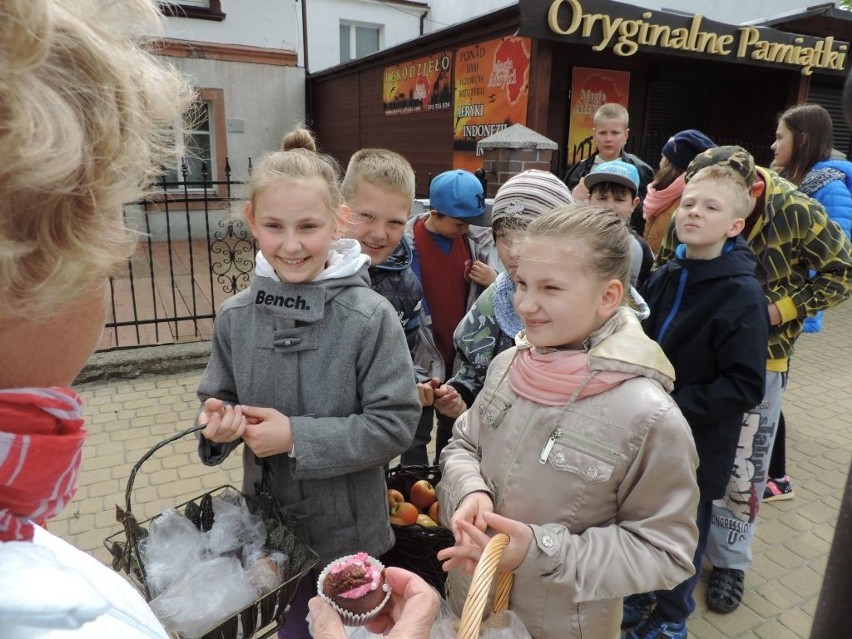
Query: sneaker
[655, 628]
[637, 608]
[778, 489]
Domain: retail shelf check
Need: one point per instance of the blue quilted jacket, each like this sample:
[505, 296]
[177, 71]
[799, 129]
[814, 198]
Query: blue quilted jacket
[829, 182]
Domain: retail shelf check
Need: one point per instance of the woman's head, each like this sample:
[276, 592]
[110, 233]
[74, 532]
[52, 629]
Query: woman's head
[296, 208]
[804, 136]
[573, 270]
[86, 120]
[678, 151]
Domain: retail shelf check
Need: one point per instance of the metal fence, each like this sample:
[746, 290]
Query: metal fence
[193, 254]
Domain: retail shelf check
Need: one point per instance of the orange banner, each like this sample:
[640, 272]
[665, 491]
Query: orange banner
[590, 88]
[491, 93]
[418, 85]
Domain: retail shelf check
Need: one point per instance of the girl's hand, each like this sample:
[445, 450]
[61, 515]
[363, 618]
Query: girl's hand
[482, 274]
[466, 555]
[470, 511]
[267, 431]
[449, 402]
[224, 423]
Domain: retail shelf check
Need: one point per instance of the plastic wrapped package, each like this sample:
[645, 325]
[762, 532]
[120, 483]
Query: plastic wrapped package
[208, 593]
[266, 569]
[234, 526]
[171, 548]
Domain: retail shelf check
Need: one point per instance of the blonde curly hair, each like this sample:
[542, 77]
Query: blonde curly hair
[87, 118]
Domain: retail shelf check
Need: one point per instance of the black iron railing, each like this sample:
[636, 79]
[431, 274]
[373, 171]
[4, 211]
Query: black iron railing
[192, 255]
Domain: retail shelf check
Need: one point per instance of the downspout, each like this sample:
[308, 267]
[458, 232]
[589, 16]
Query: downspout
[305, 31]
[423, 20]
[308, 101]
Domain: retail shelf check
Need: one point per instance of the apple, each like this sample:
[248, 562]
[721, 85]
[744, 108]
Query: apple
[422, 494]
[434, 512]
[403, 514]
[394, 497]
[426, 521]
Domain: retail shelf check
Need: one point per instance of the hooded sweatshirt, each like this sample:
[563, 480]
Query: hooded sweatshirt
[331, 355]
[711, 320]
[791, 235]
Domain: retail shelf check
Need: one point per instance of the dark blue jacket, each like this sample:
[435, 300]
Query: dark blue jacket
[711, 320]
[394, 280]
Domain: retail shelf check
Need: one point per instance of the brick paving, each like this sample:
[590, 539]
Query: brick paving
[127, 417]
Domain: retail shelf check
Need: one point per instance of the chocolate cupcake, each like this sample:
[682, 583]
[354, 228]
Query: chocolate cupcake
[355, 587]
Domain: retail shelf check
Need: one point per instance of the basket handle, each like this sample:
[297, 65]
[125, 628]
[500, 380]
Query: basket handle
[148, 455]
[477, 596]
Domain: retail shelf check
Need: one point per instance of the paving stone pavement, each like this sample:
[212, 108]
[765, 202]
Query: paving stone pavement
[127, 417]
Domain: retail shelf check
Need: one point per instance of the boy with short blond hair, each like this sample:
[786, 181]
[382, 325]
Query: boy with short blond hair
[708, 313]
[379, 188]
[610, 132]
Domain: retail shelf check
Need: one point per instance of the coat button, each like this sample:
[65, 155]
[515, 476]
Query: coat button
[287, 342]
[592, 472]
[547, 541]
[560, 458]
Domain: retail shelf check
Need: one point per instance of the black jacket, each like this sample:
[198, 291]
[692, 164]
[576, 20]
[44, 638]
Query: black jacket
[710, 317]
[394, 280]
[646, 175]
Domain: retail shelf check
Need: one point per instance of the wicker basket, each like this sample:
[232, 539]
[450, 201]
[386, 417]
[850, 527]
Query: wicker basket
[416, 547]
[252, 619]
[480, 586]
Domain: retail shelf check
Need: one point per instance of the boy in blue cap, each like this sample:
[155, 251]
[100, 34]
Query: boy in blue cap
[615, 186]
[451, 259]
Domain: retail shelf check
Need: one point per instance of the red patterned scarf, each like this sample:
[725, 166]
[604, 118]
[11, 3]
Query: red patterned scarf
[41, 448]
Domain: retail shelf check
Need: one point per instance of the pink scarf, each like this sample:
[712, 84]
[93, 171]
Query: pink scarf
[552, 378]
[41, 448]
[656, 202]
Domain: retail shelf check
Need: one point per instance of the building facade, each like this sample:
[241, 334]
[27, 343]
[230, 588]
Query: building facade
[548, 64]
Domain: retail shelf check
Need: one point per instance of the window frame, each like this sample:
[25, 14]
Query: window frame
[215, 98]
[353, 26]
[213, 10]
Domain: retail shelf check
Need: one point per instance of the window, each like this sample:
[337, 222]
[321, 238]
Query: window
[201, 9]
[358, 40]
[198, 145]
[205, 142]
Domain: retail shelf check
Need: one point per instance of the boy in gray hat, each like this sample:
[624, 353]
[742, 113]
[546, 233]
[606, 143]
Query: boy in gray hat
[491, 324]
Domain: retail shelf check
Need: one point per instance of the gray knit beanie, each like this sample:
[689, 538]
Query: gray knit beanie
[525, 196]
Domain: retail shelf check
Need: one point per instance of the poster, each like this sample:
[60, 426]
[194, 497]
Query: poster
[491, 93]
[418, 85]
[590, 88]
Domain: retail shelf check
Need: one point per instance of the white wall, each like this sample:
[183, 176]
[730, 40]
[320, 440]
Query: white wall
[447, 12]
[400, 22]
[273, 24]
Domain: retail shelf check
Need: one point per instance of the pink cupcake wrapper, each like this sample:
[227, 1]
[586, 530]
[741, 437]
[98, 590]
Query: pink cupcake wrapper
[350, 618]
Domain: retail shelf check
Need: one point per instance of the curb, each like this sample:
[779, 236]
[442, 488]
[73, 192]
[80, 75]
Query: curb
[132, 363]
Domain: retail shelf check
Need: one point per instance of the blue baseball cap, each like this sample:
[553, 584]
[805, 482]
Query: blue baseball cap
[617, 171]
[459, 194]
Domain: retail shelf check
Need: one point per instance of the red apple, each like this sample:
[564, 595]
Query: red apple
[403, 514]
[394, 497]
[426, 521]
[435, 512]
[423, 494]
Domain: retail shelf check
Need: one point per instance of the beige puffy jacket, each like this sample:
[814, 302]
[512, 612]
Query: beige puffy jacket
[612, 507]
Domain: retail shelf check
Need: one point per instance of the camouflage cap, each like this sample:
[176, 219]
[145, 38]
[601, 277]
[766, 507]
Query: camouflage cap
[735, 157]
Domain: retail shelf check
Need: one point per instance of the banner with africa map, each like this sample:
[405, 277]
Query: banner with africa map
[491, 92]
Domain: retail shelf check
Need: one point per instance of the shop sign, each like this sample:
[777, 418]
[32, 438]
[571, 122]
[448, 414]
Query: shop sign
[491, 90]
[418, 85]
[627, 29]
